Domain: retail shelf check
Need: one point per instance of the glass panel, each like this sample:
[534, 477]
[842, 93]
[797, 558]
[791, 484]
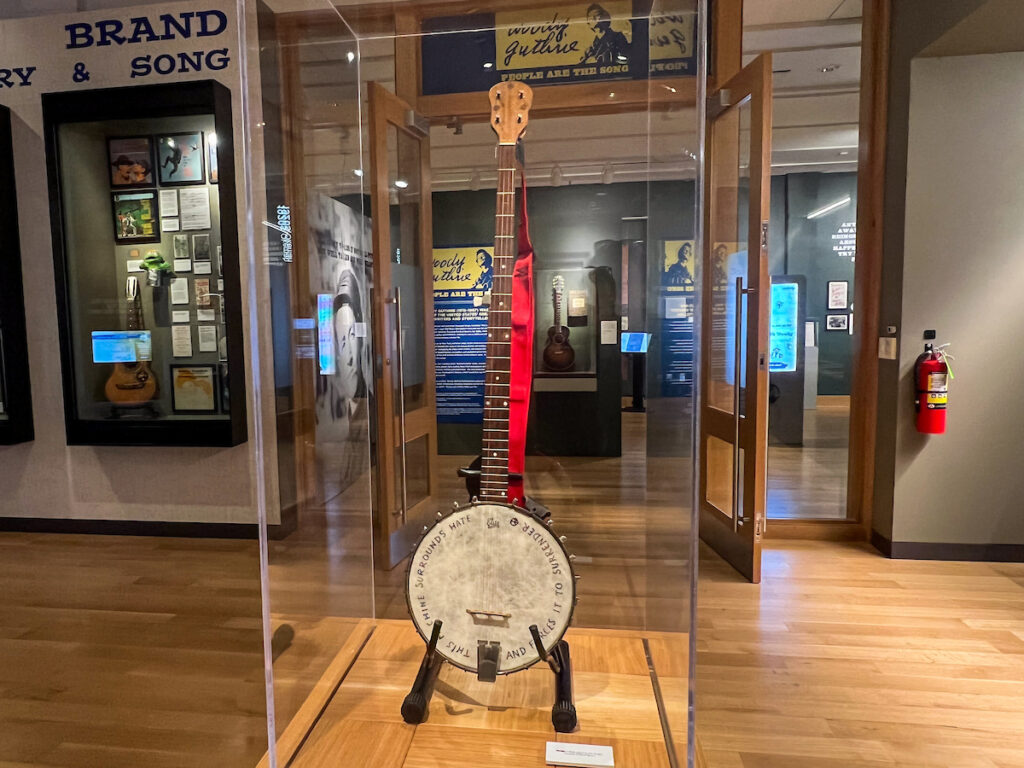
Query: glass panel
[730, 204]
[718, 474]
[407, 261]
[612, 196]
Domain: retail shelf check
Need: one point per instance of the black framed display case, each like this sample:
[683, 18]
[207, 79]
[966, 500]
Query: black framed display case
[15, 390]
[145, 246]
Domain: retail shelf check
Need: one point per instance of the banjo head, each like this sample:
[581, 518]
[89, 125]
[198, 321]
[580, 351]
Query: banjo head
[488, 571]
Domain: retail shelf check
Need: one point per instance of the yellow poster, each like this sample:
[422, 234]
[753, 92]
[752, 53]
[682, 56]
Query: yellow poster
[673, 42]
[466, 268]
[568, 41]
[678, 266]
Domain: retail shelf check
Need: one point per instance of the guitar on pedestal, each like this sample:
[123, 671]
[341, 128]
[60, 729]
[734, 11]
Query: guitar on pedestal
[559, 356]
[490, 588]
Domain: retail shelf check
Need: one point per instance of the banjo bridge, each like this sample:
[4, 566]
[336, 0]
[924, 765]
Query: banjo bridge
[489, 617]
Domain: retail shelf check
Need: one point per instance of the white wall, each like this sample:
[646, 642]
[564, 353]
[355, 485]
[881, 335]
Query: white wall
[47, 478]
[963, 276]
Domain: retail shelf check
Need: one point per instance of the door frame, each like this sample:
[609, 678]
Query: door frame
[737, 538]
[392, 541]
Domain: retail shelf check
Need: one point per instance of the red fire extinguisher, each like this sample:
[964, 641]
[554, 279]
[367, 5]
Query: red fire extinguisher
[931, 388]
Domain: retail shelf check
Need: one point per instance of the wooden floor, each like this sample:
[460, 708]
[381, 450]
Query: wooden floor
[809, 481]
[617, 675]
[123, 652]
[841, 658]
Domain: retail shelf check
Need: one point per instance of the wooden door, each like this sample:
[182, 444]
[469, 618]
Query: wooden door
[403, 326]
[735, 284]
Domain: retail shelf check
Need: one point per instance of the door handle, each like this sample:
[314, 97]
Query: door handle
[737, 362]
[403, 512]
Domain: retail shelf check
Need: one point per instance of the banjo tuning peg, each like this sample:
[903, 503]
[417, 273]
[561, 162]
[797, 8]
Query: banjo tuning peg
[572, 557]
[549, 522]
[455, 505]
[426, 528]
[562, 539]
[440, 514]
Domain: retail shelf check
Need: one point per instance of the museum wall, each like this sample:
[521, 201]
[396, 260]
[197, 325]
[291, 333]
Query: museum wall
[48, 478]
[960, 278]
[571, 224]
[914, 25]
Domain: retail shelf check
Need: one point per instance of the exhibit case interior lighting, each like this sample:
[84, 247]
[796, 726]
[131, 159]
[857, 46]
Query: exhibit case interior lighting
[15, 395]
[145, 243]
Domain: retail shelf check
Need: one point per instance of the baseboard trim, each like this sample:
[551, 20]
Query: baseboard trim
[161, 528]
[926, 550]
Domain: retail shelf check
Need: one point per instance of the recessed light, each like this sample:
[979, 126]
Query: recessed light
[350, 56]
[844, 153]
[358, 172]
[401, 183]
[488, 64]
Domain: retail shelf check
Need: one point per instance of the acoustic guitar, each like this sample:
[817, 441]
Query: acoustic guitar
[558, 352]
[490, 587]
[132, 383]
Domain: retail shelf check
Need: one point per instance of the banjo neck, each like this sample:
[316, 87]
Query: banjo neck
[494, 455]
[510, 109]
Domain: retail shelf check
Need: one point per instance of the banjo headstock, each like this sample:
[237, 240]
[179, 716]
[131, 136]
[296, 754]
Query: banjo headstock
[558, 283]
[510, 110]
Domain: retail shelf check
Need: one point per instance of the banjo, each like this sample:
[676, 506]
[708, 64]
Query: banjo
[490, 587]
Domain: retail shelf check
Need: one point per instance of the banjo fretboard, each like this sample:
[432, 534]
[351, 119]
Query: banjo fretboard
[494, 454]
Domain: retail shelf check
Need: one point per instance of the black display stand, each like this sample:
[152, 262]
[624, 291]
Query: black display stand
[15, 389]
[171, 100]
[786, 389]
[639, 365]
[594, 417]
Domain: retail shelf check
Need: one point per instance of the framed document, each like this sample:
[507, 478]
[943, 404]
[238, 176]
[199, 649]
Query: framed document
[838, 294]
[193, 389]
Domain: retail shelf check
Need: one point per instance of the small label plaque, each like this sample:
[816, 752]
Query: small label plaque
[580, 755]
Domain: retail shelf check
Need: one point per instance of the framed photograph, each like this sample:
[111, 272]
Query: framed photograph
[131, 161]
[181, 250]
[211, 158]
[203, 298]
[837, 322]
[136, 217]
[838, 294]
[179, 158]
[194, 388]
[201, 247]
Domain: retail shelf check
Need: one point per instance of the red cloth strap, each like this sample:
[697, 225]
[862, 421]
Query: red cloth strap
[521, 377]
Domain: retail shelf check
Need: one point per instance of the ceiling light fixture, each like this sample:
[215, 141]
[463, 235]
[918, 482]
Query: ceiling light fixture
[358, 172]
[488, 64]
[829, 208]
[351, 56]
[401, 183]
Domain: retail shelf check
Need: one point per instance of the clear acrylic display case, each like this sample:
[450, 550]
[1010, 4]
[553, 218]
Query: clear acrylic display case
[378, 204]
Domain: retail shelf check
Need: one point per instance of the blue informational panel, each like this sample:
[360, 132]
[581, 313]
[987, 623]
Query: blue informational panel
[121, 346]
[678, 299]
[784, 335]
[462, 277]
